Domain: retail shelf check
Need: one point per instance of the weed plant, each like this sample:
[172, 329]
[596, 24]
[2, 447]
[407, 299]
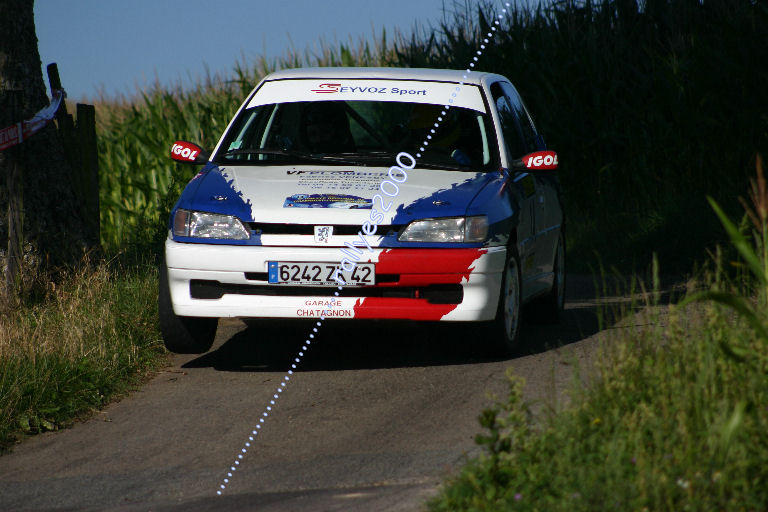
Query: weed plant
[68, 352]
[675, 418]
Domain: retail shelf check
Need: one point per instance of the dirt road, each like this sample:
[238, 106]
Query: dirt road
[372, 420]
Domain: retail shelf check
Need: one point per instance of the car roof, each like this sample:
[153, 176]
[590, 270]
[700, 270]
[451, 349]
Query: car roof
[440, 75]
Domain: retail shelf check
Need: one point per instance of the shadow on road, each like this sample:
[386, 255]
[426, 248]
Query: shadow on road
[349, 345]
[271, 345]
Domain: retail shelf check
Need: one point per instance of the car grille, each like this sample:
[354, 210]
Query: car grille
[267, 228]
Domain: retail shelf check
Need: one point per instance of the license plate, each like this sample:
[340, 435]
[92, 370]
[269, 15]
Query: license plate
[319, 274]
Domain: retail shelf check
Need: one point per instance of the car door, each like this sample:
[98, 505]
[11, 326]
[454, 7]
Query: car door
[524, 183]
[547, 210]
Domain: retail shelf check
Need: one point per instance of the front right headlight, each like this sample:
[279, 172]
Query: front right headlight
[447, 230]
[208, 225]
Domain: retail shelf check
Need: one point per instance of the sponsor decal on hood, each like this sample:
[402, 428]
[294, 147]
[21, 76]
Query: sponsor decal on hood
[326, 201]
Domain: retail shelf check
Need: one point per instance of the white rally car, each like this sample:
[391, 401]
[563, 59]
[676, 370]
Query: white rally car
[374, 193]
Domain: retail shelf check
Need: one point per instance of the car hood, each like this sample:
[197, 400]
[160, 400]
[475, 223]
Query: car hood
[332, 194]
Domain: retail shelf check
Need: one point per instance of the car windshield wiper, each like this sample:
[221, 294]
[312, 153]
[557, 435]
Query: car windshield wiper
[314, 157]
[388, 155]
[376, 155]
[360, 159]
[446, 166]
[265, 151]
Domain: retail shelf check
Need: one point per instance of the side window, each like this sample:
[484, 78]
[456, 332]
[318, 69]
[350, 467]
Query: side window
[526, 124]
[510, 125]
[243, 134]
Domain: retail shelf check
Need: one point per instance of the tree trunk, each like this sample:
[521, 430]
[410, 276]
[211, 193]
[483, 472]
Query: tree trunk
[53, 231]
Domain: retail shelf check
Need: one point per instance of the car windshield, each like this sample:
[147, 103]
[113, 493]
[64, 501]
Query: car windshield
[357, 132]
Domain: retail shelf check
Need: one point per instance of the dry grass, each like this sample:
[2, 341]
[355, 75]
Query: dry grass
[71, 348]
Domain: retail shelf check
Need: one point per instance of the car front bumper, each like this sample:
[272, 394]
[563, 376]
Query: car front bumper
[412, 284]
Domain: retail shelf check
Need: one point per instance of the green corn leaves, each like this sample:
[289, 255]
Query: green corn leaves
[741, 243]
[754, 254]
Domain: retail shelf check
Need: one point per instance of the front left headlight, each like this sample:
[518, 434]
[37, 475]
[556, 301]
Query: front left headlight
[208, 225]
[447, 230]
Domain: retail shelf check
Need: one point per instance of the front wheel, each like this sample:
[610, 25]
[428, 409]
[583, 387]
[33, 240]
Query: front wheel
[505, 328]
[182, 334]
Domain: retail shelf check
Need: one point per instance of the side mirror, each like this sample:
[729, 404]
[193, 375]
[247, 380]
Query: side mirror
[188, 153]
[537, 161]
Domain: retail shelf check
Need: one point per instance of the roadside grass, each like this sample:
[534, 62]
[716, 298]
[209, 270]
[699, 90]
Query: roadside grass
[71, 349]
[670, 421]
[674, 417]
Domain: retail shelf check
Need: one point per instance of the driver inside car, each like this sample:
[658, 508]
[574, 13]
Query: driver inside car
[325, 128]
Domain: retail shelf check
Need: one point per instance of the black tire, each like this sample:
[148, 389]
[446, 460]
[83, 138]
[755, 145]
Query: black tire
[549, 309]
[182, 334]
[505, 328]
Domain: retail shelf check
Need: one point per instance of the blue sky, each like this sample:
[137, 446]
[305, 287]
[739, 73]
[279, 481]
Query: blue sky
[118, 46]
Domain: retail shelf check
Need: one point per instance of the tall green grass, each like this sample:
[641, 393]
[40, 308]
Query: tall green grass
[649, 109]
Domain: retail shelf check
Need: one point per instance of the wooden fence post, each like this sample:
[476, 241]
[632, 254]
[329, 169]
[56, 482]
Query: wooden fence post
[80, 149]
[13, 166]
[63, 119]
[85, 133]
